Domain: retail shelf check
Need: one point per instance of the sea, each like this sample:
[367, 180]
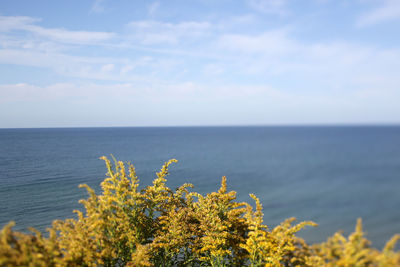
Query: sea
[331, 175]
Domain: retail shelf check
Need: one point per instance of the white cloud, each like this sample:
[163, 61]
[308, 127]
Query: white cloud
[141, 62]
[269, 6]
[107, 68]
[126, 69]
[84, 67]
[150, 32]
[8, 24]
[74, 37]
[153, 7]
[64, 91]
[97, 6]
[70, 37]
[315, 67]
[34, 44]
[246, 55]
[273, 42]
[390, 10]
[213, 69]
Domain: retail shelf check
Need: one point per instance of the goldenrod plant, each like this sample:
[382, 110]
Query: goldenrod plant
[356, 250]
[158, 226]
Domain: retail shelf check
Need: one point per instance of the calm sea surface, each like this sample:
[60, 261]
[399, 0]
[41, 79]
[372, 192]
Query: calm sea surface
[331, 175]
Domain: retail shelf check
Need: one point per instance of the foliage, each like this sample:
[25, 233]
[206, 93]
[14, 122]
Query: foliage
[356, 251]
[157, 226]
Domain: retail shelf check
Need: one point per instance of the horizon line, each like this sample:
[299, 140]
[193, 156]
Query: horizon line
[220, 126]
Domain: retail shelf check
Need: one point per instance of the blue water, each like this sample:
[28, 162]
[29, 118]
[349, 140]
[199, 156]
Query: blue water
[331, 175]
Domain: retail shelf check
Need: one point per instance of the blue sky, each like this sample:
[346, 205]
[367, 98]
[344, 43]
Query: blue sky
[200, 62]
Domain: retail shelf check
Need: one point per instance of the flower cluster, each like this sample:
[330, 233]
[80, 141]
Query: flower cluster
[158, 226]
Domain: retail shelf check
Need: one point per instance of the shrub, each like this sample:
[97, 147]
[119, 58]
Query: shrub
[157, 226]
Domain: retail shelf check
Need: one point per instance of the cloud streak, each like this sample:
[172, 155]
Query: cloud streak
[390, 10]
[97, 7]
[269, 6]
[270, 54]
[27, 24]
[150, 32]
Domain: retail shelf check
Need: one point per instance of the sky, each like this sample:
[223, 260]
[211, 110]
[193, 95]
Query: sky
[100, 63]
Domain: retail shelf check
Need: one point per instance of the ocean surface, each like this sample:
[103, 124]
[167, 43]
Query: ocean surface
[331, 175]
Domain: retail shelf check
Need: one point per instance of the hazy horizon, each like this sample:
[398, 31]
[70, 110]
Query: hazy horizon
[219, 125]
